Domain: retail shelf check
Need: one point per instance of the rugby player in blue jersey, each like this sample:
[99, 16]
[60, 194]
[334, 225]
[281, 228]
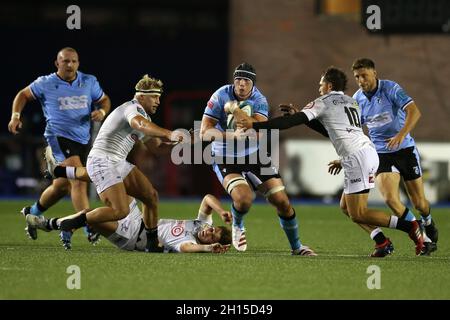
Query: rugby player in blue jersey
[67, 97]
[390, 115]
[236, 172]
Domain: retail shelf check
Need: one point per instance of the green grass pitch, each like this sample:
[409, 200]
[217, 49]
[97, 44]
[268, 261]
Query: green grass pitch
[38, 269]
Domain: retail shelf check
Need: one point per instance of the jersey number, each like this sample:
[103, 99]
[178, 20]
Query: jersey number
[353, 116]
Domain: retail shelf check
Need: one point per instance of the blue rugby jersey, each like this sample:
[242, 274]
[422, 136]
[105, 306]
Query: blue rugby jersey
[67, 106]
[215, 110]
[384, 114]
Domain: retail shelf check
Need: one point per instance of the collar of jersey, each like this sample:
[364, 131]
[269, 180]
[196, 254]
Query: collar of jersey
[336, 92]
[77, 79]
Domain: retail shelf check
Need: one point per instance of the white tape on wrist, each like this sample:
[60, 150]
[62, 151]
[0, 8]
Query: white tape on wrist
[15, 115]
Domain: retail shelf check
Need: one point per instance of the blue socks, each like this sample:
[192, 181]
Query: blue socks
[426, 220]
[238, 217]
[37, 209]
[290, 227]
[408, 215]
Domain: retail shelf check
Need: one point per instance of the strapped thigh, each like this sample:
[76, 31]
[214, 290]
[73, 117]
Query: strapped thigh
[233, 183]
[273, 190]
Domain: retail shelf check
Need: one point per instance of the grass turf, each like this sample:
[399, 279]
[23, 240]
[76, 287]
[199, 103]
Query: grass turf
[38, 269]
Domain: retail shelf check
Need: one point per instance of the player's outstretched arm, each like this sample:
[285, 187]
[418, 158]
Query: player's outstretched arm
[149, 128]
[210, 203]
[189, 247]
[284, 122]
[23, 96]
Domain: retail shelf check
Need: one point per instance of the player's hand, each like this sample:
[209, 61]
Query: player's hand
[179, 136]
[218, 248]
[98, 115]
[334, 167]
[240, 134]
[244, 122]
[288, 109]
[14, 125]
[395, 142]
[230, 106]
[226, 217]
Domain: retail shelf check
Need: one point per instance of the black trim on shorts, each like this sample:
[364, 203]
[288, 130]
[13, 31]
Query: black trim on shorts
[361, 192]
[72, 148]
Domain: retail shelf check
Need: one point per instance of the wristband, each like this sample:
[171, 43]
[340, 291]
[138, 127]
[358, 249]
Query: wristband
[102, 111]
[15, 115]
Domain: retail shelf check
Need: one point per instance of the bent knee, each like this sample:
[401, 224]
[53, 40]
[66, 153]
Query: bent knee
[150, 197]
[121, 212]
[243, 202]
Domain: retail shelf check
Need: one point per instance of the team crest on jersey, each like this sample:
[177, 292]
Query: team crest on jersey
[178, 229]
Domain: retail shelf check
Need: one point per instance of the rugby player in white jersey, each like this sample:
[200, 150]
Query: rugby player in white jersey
[187, 236]
[113, 176]
[340, 118]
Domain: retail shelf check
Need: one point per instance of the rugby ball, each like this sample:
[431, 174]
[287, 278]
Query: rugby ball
[244, 106]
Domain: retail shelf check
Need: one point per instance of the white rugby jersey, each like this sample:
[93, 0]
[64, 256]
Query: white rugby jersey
[173, 233]
[116, 137]
[341, 117]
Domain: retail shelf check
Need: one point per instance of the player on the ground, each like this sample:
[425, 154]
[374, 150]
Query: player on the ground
[340, 116]
[198, 235]
[390, 115]
[67, 98]
[236, 171]
[113, 176]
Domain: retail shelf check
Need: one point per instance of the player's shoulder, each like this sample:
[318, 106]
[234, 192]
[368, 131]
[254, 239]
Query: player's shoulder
[387, 85]
[85, 77]
[46, 78]
[224, 90]
[358, 94]
[257, 95]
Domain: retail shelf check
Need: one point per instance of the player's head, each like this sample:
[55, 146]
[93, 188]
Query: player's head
[332, 79]
[244, 79]
[211, 235]
[148, 91]
[67, 63]
[365, 74]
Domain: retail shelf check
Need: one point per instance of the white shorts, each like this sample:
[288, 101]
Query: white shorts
[359, 170]
[105, 173]
[130, 233]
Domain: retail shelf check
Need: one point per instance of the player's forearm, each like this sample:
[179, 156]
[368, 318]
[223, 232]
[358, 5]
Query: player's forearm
[150, 129]
[195, 248]
[212, 134]
[412, 117]
[105, 104]
[282, 123]
[19, 104]
[213, 203]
